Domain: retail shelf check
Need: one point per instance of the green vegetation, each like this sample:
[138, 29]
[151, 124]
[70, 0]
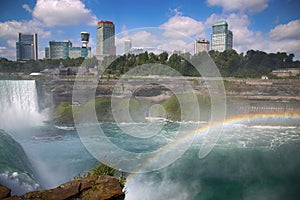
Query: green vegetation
[172, 108]
[123, 64]
[63, 113]
[252, 64]
[230, 63]
[101, 169]
[27, 67]
[185, 110]
[138, 109]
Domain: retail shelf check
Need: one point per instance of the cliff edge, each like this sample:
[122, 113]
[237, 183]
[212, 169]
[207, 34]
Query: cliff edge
[101, 187]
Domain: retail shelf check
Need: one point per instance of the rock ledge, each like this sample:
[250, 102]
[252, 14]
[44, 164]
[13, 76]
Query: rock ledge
[95, 187]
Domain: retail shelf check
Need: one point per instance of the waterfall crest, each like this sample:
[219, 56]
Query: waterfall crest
[19, 104]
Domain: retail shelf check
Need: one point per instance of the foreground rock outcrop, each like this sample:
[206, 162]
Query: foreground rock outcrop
[4, 192]
[95, 187]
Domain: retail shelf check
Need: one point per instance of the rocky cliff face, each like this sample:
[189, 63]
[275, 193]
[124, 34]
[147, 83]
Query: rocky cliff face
[95, 187]
[277, 94]
[55, 91]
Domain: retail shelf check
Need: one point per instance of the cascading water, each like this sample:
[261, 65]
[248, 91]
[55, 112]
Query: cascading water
[19, 104]
[19, 112]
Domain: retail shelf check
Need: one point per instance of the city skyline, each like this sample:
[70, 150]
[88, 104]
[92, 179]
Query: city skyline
[266, 25]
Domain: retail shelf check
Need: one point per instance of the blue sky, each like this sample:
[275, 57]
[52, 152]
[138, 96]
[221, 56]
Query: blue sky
[267, 25]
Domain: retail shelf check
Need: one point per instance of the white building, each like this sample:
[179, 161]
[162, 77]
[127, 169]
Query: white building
[201, 45]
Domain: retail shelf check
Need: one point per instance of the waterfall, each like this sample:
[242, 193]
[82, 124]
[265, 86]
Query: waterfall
[19, 104]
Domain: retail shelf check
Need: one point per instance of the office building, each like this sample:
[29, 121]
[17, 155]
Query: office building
[47, 53]
[26, 47]
[105, 39]
[59, 49]
[221, 38]
[64, 49]
[201, 45]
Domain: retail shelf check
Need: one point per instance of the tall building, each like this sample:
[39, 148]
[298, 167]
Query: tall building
[47, 53]
[201, 45]
[127, 45]
[27, 47]
[105, 38]
[64, 49]
[221, 38]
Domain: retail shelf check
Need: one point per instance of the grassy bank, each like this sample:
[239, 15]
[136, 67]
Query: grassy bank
[175, 108]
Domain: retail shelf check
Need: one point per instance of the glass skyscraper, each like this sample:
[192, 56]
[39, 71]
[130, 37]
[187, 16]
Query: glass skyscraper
[59, 49]
[26, 47]
[105, 38]
[221, 38]
[64, 49]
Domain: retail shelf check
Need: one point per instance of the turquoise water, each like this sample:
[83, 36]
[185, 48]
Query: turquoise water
[248, 162]
[257, 160]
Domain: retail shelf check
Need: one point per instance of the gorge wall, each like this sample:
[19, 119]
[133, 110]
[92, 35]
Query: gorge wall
[243, 95]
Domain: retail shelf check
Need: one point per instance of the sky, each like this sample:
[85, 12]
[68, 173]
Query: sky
[266, 25]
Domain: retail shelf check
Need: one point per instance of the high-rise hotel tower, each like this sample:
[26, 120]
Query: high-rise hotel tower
[221, 37]
[105, 38]
[27, 47]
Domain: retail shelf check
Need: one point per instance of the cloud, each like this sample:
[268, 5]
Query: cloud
[27, 8]
[286, 31]
[7, 53]
[177, 44]
[253, 6]
[283, 38]
[183, 24]
[10, 29]
[154, 40]
[243, 37]
[239, 24]
[144, 38]
[63, 12]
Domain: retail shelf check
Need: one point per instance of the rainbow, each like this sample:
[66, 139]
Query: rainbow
[210, 127]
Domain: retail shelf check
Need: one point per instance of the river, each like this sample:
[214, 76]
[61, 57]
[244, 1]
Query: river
[252, 159]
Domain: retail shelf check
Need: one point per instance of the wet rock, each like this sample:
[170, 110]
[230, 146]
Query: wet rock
[104, 188]
[4, 192]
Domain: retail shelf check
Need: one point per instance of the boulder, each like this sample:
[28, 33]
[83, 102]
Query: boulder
[4, 192]
[64, 191]
[105, 187]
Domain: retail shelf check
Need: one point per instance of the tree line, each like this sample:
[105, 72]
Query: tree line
[8, 66]
[229, 63]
